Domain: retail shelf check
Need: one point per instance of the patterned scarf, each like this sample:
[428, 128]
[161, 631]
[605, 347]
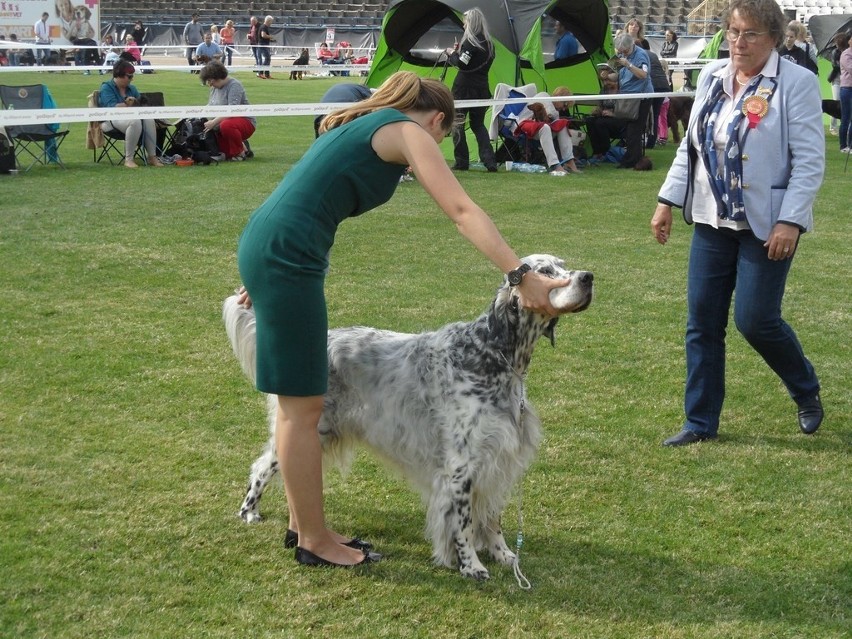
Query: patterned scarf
[726, 179]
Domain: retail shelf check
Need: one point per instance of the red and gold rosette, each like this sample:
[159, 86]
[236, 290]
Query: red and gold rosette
[755, 107]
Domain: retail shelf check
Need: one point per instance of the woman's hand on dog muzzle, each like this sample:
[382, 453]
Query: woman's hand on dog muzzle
[534, 293]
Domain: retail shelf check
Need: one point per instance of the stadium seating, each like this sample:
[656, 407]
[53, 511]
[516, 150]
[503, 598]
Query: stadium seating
[328, 13]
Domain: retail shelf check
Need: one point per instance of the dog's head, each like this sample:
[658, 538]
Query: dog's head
[576, 296]
[82, 13]
[573, 298]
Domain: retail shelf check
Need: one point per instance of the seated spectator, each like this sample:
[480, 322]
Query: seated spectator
[120, 93]
[13, 55]
[345, 53]
[325, 55]
[540, 121]
[109, 52]
[633, 76]
[231, 132]
[132, 49]
[208, 51]
[4, 53]
[343, 92]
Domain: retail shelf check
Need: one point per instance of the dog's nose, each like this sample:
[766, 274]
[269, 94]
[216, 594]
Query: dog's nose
[587, 277]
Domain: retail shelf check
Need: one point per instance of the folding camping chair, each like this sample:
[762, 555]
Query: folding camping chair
[34, 143]
[105, 144]
[509, 143]
[165, 129]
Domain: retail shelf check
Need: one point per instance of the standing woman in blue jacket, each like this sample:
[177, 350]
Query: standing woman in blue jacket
[746, 174]
[472, 57]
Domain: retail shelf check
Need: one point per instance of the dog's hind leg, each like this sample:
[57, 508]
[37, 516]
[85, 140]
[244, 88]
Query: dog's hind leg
[262, 472]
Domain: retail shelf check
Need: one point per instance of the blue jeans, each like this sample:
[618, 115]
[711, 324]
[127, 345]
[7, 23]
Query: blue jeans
[845, 116]
[719, 262]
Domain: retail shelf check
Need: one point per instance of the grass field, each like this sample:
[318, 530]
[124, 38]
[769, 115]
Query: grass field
[127, 429]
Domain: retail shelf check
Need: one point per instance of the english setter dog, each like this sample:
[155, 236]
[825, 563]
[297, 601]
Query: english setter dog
[447, 408]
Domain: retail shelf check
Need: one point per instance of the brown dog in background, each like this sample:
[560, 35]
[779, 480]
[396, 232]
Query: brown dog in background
[303, 59]
[679, 110]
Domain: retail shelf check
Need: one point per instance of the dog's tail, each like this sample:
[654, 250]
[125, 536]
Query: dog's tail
[240, 325]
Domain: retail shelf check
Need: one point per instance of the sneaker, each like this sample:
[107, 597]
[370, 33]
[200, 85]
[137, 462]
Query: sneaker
[558, 173]
[846, 149]
[237, 158]
[833, 131]
[219, 157]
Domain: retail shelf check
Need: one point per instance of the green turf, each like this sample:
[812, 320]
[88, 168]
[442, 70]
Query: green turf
[127, 429]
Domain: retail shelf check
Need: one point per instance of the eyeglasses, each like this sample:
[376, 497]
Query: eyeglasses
[749, 36]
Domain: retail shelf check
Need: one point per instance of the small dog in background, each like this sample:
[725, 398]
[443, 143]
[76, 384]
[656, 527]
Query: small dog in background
[303, 59]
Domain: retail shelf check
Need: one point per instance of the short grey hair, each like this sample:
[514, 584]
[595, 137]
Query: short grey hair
[623, 41]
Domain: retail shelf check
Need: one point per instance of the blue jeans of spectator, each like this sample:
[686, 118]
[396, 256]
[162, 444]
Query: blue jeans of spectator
[845, 116]
[41, 56]
[721, 261]
[229, 55]
[265, 54]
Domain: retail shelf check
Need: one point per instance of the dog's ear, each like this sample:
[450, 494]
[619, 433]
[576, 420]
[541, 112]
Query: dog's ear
[550, 331]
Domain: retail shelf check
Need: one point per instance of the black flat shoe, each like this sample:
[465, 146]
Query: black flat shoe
[291, 540]
[810, 415]
[686, 437]
[457, 167]
[307, 558]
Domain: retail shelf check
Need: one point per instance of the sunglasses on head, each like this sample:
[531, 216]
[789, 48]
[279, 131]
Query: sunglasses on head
[126, 75]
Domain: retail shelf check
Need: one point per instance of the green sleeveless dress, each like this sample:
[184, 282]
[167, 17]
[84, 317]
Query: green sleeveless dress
[283, 251]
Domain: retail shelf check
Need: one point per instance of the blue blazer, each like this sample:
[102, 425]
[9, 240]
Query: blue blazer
[783, 157]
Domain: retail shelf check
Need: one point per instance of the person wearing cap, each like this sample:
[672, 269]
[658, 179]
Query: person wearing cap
[120, 93]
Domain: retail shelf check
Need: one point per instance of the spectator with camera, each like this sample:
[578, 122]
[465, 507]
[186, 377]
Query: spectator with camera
[120, 93]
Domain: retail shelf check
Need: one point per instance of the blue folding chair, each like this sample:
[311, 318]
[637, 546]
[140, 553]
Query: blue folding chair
[34, 143]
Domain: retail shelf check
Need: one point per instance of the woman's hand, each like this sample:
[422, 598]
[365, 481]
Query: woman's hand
[243, 298]
[782, 242]
[535, 290]
[661, 223]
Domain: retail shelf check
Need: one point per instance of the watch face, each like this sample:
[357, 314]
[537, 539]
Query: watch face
[516, 277]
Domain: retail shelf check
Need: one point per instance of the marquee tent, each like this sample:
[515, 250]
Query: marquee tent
[416, 32]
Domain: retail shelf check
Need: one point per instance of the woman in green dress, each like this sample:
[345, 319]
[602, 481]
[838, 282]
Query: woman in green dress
[354, 166]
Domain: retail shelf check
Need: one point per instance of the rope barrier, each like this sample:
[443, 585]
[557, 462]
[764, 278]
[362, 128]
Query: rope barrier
[84, 114]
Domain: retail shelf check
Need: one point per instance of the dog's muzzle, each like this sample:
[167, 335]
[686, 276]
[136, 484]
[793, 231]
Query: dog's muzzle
[575, 297]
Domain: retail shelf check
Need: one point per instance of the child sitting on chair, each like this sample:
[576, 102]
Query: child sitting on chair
[541, 121]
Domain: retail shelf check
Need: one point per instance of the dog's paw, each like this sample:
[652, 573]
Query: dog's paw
[504, 556]
[479, 573]
[250, 516]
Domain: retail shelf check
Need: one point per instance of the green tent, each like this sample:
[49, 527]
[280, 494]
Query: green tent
[416, 32]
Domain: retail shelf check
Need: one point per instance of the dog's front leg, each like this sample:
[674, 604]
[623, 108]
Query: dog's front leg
[462, 524]
[495, 542]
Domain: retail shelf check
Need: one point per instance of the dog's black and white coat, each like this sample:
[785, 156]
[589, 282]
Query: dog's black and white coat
[444, 407]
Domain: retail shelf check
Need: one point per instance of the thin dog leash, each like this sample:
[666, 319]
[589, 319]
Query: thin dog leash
[523, 582]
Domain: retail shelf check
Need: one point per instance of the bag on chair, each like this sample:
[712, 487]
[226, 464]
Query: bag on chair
[627, 109]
